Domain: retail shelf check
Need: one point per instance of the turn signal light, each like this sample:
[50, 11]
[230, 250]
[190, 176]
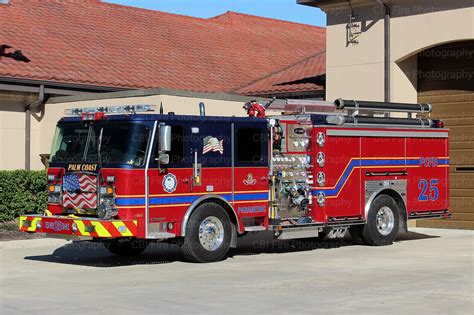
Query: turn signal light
[54, 188]
[106, 190]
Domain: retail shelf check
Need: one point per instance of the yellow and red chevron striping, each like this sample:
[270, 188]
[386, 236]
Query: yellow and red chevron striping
[79, 227]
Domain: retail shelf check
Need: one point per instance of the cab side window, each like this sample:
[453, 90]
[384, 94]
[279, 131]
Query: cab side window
[250, 145]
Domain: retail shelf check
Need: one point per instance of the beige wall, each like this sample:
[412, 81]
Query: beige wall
[12, 129]
[356, 71]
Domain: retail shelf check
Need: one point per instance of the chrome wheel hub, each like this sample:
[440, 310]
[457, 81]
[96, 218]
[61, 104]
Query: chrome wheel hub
[385, 220]
[211, 233]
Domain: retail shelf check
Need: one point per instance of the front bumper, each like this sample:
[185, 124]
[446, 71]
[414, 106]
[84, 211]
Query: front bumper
[78, 227]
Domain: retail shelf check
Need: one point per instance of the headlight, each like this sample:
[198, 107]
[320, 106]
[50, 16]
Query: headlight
[54, 194]
[107, 209]
[54, 198]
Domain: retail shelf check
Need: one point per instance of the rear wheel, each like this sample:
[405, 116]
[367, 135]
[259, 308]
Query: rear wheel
[382, 223]
[208, 234]
[126, 247]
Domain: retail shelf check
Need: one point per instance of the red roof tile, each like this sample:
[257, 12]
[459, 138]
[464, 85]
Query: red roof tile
[90, 42]
[304, 76]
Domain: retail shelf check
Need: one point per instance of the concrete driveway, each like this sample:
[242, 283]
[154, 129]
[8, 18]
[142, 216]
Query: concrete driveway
[426, 271]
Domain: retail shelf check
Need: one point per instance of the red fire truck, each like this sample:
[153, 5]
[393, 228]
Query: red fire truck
[126, 176]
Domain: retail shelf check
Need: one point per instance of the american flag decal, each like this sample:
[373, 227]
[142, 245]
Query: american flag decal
[79, 191]
[212, 144]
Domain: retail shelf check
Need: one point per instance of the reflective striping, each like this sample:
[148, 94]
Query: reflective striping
[122, 228]
[252, 201]
[100, 229]
[175, 200]
[111, 228]
[369, 163]
[81, 228]
[92, 228]
[387, 133]
[32, 227]
[132, 226]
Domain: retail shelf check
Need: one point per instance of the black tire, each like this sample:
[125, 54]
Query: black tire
[193, 248]
[356, 234]
[126, 247]
[374, 234]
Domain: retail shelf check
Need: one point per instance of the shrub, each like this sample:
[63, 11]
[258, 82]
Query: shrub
[22, 192]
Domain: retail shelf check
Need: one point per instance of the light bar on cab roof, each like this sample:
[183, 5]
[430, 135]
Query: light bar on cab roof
[122, 109]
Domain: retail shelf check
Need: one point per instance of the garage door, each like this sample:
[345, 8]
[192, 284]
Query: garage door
[456, 109]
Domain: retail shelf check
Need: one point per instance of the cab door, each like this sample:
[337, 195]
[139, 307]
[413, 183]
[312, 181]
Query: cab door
[169, 182]
[250, 198]
[210, 151]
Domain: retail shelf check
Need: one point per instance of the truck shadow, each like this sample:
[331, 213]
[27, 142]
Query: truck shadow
[91, 254]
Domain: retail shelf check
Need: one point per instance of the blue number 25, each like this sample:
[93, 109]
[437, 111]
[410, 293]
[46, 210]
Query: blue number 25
[424, 187]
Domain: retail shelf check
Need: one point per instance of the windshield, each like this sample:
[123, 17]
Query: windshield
[103, 142]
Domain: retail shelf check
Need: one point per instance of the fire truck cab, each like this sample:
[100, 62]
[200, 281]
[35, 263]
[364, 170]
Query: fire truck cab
[126, 176]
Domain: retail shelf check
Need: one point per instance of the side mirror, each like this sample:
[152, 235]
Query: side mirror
[165, 138]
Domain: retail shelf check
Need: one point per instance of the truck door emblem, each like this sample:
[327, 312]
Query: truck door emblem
[249, 181]
[212, 144]
[169, 183]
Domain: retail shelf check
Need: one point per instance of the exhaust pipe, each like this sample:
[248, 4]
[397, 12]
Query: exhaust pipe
[202, 109]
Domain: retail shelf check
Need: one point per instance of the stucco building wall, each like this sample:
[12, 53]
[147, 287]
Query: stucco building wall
[356, 71]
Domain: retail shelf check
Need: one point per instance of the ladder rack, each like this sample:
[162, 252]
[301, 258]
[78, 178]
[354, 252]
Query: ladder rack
[359, 113]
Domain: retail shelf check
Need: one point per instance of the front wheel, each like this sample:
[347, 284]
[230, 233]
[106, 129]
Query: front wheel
[126, 247]
[208, 234]
[382, 223]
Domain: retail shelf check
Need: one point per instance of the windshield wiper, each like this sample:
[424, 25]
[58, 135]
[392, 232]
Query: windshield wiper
[99, 146]
[88, 140]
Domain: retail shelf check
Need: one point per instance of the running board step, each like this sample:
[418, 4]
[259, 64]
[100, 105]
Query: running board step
[254, 228]
[292, 233]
